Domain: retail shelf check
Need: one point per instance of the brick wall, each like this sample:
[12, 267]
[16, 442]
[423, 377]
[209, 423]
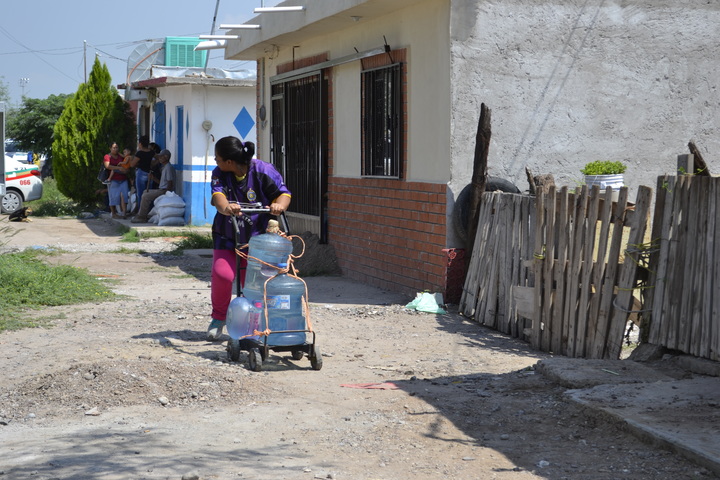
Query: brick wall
[389, 233]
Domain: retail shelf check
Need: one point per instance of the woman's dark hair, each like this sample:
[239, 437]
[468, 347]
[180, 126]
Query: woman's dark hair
[231, 148]
[155, 147]
[144, 140]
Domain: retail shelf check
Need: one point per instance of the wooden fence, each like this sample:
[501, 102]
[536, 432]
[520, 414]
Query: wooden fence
[685, 269]
[569, 294]
[504, 240]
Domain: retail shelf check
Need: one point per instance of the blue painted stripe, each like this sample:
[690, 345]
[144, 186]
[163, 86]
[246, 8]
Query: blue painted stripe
[196, 168]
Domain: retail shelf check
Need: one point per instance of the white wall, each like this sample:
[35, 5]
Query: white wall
[219, 105]
[422, 28]
[575, 81]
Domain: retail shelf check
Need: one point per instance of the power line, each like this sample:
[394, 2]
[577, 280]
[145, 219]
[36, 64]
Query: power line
[18, 42]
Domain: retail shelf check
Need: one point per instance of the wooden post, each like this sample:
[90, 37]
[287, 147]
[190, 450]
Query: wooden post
[685, 164]
[482, 146]
[699, 167]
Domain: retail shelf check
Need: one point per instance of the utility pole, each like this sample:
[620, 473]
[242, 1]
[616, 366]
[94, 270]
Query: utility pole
[23, 81]
[212, 32]
[85, 58]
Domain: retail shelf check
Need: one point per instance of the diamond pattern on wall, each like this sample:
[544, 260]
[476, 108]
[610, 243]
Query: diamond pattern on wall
[244, 123]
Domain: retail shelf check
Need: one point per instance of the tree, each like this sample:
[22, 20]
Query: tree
[32, 124]
[92, 119]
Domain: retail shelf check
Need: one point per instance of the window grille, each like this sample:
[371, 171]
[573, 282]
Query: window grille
[382, 121]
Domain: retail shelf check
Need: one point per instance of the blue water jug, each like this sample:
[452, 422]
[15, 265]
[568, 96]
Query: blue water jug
[243, 318]
[272, 249]
[284, 307]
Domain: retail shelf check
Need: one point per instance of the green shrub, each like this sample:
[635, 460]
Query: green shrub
[27, 283]
[55, 204]
[603, 167]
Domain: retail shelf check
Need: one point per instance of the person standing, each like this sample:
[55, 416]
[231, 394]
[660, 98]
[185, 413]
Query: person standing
[141, 163]
[238, 178]
[118, 188]
[155, 168]
[166, 184]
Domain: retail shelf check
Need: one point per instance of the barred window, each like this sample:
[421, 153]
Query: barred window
[382, 117]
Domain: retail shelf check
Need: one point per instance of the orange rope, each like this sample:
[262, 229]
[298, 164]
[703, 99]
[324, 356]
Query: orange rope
[290, 266]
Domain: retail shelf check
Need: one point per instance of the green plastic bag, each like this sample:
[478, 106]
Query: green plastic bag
[426, 302]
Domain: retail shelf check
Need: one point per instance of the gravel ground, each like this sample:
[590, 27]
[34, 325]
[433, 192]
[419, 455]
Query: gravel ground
[130, 389]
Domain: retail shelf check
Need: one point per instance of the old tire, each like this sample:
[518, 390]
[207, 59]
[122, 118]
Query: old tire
[461, 212]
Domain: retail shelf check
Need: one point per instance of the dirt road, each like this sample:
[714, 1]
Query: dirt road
[131, 389]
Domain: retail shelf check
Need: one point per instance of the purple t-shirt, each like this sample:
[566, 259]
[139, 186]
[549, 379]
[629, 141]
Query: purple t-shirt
[262, 184]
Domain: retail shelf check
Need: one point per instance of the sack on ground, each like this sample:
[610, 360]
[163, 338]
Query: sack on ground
[165, 211]
[171, 222]
[170, 199]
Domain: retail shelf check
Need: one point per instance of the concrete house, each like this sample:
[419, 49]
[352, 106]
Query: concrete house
[370, 108]
[185, 107]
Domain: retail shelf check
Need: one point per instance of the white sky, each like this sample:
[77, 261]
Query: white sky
[42, 40]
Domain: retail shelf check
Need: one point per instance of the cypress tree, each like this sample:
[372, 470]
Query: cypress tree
[93, 118]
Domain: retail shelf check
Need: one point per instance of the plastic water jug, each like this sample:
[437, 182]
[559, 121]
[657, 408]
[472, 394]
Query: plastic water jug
[270, 248]
[285, 309]
[243, 317]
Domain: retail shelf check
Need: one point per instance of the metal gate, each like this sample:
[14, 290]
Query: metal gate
[299, 147]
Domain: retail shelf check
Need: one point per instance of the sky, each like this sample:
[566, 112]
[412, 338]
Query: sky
[42, 42]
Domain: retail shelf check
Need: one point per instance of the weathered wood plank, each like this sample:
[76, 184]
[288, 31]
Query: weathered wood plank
[714, 334]
[487, 305]
[539, 256]
[628, 273]
[657, 263]
[504, 260]
[710, 199]
[516, 260]
[679, 300]
[529, 230]
[698, 249]
[574, 268]
[586, 271]
[610, 280]
[524, 299]
[547, 344]
[485, 267]
[661, 328]
[690, 252]
[601, 257]
[700, 167]
[560, 273]
[468, 299]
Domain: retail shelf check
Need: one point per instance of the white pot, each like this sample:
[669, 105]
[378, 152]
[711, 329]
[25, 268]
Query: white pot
[604, 181]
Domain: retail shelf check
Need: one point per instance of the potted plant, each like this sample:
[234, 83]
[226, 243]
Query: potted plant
[605, 173]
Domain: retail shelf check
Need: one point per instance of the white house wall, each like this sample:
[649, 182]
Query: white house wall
[575, 81]
[219, 105]
[419, 30]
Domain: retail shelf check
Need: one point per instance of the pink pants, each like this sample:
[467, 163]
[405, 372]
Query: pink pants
[221, 282]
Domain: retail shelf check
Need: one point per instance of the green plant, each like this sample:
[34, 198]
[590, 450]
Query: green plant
[53, 203]
[50, 285]
[603, 167]
[194, 240]
[91, 120]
